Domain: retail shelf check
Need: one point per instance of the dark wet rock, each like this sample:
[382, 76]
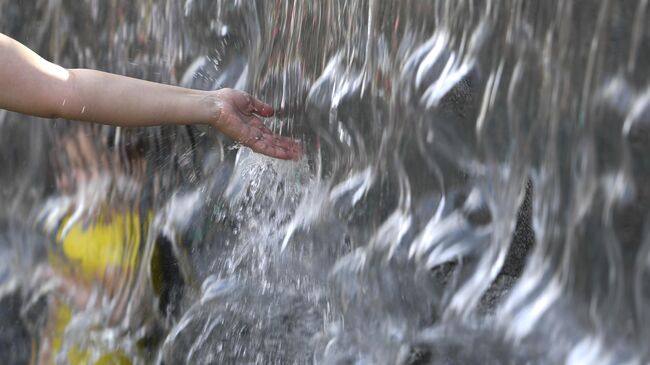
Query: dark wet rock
[522, 243]
[239, 325]
[496, 293]
[523, 239]
[15, 340]
[20, 251]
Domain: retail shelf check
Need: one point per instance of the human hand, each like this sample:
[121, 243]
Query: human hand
[238, 119]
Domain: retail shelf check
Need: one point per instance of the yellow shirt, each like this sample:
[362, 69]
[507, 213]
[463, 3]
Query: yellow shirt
[112, 243]
[109, 243]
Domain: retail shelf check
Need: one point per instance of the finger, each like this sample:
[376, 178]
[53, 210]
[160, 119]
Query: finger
[289, 144]
[270, 146]
[284, 142]
[261, 108]
[268, 149]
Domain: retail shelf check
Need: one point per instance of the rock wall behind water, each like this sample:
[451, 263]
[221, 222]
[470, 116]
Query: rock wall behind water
[474, 188]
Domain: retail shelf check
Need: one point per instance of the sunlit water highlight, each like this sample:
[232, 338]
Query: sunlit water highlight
[474, 189]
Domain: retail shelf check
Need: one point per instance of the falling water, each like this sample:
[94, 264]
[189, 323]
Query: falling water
[474, 188]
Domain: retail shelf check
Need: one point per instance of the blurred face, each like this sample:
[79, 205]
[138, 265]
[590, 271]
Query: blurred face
[83, 159]
[79, 162]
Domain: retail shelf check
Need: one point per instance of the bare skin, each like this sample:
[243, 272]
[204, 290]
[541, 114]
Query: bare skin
[31, 85]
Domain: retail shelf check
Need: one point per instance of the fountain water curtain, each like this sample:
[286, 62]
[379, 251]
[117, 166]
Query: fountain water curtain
[474, 190]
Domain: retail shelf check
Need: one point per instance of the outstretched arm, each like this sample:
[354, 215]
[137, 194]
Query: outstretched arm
[34, 86]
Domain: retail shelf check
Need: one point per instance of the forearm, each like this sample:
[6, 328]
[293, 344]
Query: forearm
[100, 97]
[32, 85]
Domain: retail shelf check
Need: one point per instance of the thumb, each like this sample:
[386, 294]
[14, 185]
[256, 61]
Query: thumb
[261, 108]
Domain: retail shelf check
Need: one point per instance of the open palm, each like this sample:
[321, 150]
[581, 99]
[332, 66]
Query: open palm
[239, 120]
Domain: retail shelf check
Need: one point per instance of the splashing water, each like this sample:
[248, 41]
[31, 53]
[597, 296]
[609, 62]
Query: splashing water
[474, 189]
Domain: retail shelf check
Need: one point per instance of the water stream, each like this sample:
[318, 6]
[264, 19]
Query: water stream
[474, 191]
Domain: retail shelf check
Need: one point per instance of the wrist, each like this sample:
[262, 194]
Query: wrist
[210, 106]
